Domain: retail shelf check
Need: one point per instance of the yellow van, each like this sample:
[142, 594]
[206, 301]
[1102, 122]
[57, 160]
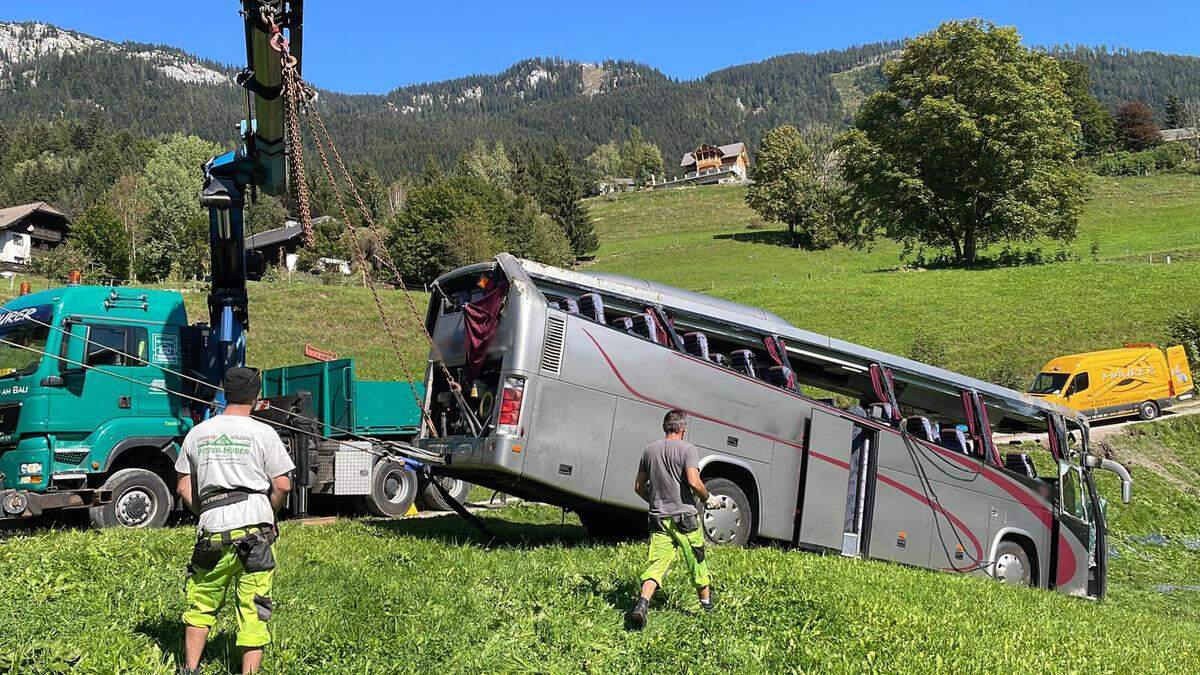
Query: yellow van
[1139, 379]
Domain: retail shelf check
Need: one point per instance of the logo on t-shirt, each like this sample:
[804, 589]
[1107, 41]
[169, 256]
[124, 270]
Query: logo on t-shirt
[223, 445]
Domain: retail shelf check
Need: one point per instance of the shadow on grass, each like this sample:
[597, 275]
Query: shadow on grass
[770, 237]
[452, 529]
[168, 635]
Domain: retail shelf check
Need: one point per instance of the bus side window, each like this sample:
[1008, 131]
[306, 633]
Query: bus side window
[1072, 494]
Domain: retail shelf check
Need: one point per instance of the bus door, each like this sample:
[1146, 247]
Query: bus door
[1074, 521]
[828, 482]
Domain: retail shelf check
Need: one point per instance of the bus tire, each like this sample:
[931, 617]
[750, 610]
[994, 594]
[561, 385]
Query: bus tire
[140, 498]
[393, 490]
[1013, 565]
[730, 525]
[431, 499]
[1147, 411]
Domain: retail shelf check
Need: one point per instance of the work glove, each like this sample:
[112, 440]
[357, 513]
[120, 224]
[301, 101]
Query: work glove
[713, 502]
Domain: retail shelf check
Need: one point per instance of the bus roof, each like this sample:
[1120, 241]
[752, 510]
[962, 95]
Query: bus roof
[1017, 408]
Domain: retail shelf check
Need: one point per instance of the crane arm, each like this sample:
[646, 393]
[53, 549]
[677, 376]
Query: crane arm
[273, 32]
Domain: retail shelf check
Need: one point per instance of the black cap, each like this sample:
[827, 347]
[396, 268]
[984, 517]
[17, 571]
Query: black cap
[242, 385]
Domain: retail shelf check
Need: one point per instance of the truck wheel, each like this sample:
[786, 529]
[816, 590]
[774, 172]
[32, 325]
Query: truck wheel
[431, 499]
[139, 499]
[729, 525]
[393, 489]
[1012, 564]
[1147, 411]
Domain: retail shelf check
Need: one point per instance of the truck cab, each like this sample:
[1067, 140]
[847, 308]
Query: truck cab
[86, 420]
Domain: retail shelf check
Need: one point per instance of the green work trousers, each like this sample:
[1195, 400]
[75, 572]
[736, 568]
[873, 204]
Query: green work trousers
[216, 569]
[667, 541]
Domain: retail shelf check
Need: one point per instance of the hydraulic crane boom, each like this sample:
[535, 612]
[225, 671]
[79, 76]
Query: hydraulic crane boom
[273, 31]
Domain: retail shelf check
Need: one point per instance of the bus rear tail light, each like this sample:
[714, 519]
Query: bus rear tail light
[509, 418]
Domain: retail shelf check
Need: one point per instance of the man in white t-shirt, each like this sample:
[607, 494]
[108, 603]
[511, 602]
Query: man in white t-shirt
[233, 472]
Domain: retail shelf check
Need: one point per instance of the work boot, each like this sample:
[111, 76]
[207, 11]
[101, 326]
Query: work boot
[637, 615]
[707, 605]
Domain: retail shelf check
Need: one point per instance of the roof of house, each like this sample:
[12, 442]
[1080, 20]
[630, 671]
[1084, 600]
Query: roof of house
[14, 214]
[1184, 134]
[729, 150]
[290, 231]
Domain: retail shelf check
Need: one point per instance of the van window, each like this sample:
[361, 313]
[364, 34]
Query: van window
[1080, 383]
[1048, 383]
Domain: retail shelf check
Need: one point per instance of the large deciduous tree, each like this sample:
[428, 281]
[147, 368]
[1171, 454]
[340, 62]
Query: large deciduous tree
[786, 188]
[1136, 127]
[176, 229]
[970, 143]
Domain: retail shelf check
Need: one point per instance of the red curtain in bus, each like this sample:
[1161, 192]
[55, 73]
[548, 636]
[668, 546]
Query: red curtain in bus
[776, 349]
[885, 388]
[480, 319]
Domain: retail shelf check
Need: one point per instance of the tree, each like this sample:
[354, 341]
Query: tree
[175, 227]
[99, 233]
[265, 214]
[640, 160]
[971, 143]
[1135, 126]
[605, 160]
[1097, 127]
[330, 240]
[786, 189]
[124, 199]
[1175, 117]
[492, 166]
[564, 194]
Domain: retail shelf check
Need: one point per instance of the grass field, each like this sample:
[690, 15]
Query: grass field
[422, 595]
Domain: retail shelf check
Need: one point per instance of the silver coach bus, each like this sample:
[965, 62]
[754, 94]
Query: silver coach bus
[564, 377]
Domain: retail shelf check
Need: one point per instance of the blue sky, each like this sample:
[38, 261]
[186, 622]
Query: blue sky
[377, 45]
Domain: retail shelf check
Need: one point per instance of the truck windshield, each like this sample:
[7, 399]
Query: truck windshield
[1048, 383]
[22, 334]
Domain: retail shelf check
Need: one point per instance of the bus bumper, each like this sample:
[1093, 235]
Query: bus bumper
[16, 504]
[468, 453]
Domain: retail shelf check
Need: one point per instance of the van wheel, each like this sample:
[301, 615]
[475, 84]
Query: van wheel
[1012, 564]
[729, 525]
[139, 499]
[1147, 411]
[432, 500]
[393, 490]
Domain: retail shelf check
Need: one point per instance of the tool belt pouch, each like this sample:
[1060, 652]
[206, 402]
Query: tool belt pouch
[655, 523]
[224, 499]
[686, 522]
[254, 550]
[205, 555]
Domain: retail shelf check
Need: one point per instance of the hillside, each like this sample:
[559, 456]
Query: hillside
[46, 71]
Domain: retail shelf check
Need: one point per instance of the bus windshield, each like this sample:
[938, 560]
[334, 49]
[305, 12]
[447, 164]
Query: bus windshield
[24, 334]
[1048, 383]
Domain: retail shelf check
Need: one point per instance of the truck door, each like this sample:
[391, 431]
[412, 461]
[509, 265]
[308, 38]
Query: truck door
[102, 388]
[163, 353]
[825, 481]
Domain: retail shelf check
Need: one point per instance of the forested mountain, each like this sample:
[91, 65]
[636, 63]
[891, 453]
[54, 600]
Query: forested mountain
[147, 89]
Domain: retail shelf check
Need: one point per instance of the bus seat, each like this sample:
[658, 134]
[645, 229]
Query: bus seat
[922, 428]
[743, 362]
[881, 412]
[955, 439]
[782, 376]
[568, 305]
[643, 327]
[623, 323]
[1019, 462]
[719, 359]
[591, 305]
[696, 344]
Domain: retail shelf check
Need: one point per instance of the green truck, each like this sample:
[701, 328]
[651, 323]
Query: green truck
[98, 386]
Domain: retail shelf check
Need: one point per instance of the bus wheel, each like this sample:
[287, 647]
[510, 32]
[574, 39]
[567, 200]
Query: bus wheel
[393, 490]
[431, 499]
[1147, 411]
[730, 524]
[139, 499]
[1012, 564]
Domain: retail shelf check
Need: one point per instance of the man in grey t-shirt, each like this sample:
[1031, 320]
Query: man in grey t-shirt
[233, 472]
[668, 476]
